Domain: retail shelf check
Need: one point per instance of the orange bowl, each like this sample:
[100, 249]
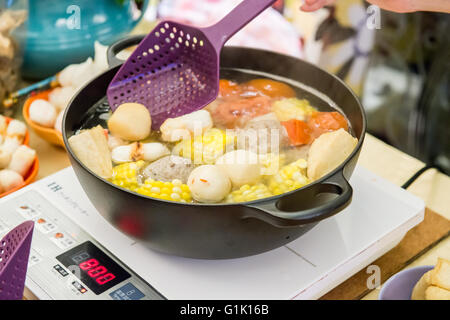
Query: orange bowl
[32, 172]
[49, 134]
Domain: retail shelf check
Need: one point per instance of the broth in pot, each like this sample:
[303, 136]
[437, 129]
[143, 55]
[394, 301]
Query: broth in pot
[262, 137]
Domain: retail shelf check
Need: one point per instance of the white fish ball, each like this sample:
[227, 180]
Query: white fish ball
[209, 184]
[241, 166]
[43, 113]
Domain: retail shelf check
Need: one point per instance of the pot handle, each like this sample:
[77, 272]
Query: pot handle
[307, 205]
[118, 46]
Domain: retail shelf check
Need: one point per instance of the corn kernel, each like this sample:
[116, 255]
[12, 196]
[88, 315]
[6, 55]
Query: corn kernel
[175, 196]
[155, 190]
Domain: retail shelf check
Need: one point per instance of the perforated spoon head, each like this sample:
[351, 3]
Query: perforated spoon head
[175, 69]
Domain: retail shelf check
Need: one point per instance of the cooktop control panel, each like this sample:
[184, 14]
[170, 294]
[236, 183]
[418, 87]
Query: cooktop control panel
[65, 262]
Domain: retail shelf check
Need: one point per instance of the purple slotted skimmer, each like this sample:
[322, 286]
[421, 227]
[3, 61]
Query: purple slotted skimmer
[14, 252]
[175, 68]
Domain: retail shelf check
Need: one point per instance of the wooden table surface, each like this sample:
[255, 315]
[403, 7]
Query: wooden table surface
[433, 187]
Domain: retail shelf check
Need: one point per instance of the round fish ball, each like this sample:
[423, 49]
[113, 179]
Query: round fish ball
[9, 180]
[241, 166]
[130, 121]
[209, 184]
[43, 112]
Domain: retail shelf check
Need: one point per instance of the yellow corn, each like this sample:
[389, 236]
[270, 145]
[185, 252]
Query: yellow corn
[290, 177]
[206, 148]
[249, 193]
[174, 191]
[126, 176]
[292, 108]
[271, 163]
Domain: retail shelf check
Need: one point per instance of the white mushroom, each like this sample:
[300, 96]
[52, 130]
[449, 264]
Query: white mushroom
[209, 184]
[9, 180]
[241, 166]
[195, 123]
[43, 113]
[139, 151]
[22, 159]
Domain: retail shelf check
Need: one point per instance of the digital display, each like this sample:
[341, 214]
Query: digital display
[93, 267]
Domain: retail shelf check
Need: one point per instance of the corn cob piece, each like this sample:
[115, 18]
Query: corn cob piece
[126, 176]
[206, 148]
[249, 193]
[292, 108]
[290, 177]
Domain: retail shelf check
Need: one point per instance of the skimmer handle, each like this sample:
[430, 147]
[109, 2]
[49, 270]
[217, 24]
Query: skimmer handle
[241, 15]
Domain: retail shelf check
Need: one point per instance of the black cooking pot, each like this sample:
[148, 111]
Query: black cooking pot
[219, 231]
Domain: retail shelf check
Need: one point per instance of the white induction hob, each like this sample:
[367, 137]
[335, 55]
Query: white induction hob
[76, 254]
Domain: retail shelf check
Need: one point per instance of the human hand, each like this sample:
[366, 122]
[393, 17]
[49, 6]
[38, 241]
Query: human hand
[401, 6]
[314, 5]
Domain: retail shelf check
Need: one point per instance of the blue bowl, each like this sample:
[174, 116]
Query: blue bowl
[401, 285]
[59, 33]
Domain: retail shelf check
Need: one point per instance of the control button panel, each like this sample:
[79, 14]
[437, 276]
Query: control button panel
[127, 292]
[65, 262]
[61, 270]
[79, 287]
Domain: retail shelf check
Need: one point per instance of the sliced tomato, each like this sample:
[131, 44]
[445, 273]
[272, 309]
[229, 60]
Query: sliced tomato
[298, 131]
[237, 112]
[269, 88]
[321, 122]
[229, 89]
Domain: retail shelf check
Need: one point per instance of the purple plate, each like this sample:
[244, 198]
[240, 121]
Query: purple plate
[401, 285]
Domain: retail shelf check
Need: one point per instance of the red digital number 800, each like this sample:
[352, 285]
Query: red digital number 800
[105, 278]
[97, 271]
[89, 264]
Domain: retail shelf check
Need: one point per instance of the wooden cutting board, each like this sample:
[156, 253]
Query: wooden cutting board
[418, 240]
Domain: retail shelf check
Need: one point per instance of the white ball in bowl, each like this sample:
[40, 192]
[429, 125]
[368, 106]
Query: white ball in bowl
[43, 113]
